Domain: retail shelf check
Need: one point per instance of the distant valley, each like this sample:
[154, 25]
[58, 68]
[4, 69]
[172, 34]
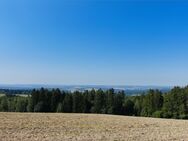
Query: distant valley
[129, 90]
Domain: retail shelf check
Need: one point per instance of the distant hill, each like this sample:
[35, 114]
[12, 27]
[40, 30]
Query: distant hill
[129, 90]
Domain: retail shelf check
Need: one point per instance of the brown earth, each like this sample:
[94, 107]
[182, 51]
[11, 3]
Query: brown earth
[85, 127]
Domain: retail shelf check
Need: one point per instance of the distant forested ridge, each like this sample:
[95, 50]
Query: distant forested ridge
[154, 103]
[15, 91]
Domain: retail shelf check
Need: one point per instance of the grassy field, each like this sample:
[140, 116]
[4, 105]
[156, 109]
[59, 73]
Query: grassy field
[22, 95]
[78, 127]
[2, 95]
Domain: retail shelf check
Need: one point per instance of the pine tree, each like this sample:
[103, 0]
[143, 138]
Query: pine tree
[99, 101]
[67, 104]
[77, 102]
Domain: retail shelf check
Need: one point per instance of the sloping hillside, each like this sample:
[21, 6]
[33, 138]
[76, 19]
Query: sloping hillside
[60, 127]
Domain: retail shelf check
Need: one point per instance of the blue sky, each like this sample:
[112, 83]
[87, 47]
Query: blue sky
[93, 42]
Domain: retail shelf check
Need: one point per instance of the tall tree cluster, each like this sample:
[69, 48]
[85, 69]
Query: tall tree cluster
[154, 103]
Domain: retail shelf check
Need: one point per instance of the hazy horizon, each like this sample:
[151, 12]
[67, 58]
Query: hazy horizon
[94, 42]
[98, 85]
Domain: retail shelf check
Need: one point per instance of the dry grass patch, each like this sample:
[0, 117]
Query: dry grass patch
[84, 127]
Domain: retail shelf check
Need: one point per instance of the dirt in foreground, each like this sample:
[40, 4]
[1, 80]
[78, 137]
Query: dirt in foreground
[78, 127]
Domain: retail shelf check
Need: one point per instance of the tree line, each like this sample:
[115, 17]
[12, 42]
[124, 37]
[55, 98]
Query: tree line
[14, 91]
[154, 103]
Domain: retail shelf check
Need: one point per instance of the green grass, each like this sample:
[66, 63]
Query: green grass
[2, 95]
[22, 95]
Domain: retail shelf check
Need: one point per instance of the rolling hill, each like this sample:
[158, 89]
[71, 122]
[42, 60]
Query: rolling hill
[85, 127]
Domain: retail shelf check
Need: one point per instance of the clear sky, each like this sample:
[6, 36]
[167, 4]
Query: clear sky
[93, 42]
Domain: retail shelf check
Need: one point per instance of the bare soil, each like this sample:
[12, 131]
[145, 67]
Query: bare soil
[85, 127]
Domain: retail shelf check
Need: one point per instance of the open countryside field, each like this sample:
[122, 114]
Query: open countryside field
[2, 94]
[85, 127]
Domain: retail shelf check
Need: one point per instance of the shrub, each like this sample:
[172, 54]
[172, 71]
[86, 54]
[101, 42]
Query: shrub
[157, 114]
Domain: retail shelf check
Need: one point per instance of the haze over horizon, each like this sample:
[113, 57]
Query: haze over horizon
[94, 42]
